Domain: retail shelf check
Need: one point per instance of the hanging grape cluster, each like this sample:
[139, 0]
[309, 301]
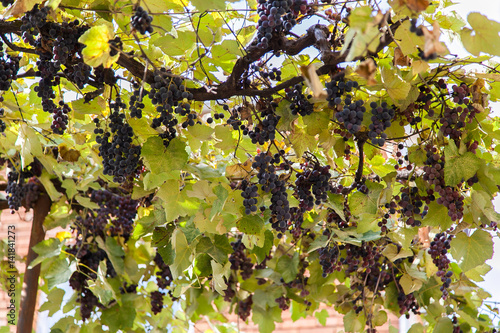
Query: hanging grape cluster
[120, 155]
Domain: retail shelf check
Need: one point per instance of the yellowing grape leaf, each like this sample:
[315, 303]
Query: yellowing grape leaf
[97, 48]
[29, 144]
[20, 7]
[397, 88]
[484, 36]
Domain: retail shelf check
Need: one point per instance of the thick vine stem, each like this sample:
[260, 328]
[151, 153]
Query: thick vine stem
[359, 171]
[316, 35]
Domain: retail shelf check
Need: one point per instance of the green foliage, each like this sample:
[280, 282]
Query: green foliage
[198, 181]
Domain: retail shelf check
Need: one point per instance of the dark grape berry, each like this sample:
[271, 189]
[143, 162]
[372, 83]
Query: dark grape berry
[141, 21]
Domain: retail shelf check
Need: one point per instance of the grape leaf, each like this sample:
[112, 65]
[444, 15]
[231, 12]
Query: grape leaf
[484, 36]
[288, 267]
[471, 251]
[219, 272]
[250, 224]
[97, 48]
[182, 254]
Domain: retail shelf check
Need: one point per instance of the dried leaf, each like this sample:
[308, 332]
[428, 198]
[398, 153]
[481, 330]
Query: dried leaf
[477, 95]
[415, 5]
[400, 59]
[68, 154]
[423, 236]
[20, 7]
[367, 70]
[313, 82]
[432, 44]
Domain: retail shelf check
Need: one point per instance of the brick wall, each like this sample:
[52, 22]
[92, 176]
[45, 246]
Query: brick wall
[334, 324]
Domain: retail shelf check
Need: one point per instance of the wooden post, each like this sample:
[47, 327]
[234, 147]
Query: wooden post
[28, 302]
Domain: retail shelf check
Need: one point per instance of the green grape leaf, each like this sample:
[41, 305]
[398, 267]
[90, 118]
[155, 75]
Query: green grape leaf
[444, 325]
[219, 272]
[182, 254]
[437, 216]
[250, 224]
[322, 316]
[471, 251]
[459, 168]
[46, 249]
[262, 252]
[288, 267]
[484, 36]
[58, 272]
[54, 301]
[301, 142]
[114, 251]
[29, 144]
[159, 159]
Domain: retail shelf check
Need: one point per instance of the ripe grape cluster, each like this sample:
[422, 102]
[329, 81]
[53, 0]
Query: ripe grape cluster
[141, 21]
[9, 66]
[333, 217]
[438, 251]
[454, 120]
[120, 156]
[14, 190]
[381, 119]
[239, 260]
[411, 204]
[329, 259]
[283, 302]
[312, 185]
[408, 303]
[32, 190]
[135, 103]
[32, 21]
[337, 88]
[119, 210]
[351, 115]
[270, 183]
[272, 74]
[89, 261]
[164, 275]
[169, 95]
[450, 197]
[266, 130]
[276, 18]
[234, 119]
[57, 45]
[249, 195]
[299, 102]
[245, 308]
[60, 118]
[17, 190]
[156, 301]
[416, 30]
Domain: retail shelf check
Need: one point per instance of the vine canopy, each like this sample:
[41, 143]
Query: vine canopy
[216, 157]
